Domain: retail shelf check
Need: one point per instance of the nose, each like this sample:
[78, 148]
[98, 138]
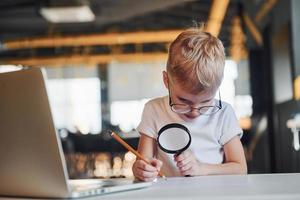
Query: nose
[194, 112]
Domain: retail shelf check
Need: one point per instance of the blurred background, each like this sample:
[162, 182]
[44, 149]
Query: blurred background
[104, 60]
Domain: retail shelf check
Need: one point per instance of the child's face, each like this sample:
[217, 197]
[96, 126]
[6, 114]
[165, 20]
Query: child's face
[179, 95]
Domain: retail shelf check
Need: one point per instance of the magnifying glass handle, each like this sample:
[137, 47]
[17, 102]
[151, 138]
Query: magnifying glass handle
[177, 154]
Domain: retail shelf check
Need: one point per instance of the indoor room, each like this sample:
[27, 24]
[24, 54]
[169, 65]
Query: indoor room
[127, 99]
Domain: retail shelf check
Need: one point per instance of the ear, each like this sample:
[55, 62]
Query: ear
[166, 79]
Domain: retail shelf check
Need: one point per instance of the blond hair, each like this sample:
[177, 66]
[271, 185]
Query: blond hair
[196, 61]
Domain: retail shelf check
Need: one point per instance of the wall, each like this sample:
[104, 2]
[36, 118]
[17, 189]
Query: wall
[273, 68]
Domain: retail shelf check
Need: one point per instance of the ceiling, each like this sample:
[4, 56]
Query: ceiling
[21, 19]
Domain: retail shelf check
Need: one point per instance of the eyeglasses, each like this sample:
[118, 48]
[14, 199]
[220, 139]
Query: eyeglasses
[203, 110]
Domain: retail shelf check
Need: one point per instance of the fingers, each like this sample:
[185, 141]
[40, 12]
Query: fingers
[189, 169]
[145, 166]
[184, 166]
[185, 162]
[156, 163]
[142, 174]
[146, 172]
[182, 156]
[188, 172]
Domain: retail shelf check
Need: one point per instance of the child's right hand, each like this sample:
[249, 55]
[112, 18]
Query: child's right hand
[146, 172]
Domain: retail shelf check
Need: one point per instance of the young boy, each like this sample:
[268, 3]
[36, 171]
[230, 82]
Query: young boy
[194, 73]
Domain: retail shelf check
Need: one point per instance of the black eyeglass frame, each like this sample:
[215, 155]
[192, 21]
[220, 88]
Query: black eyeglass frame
[192, 108]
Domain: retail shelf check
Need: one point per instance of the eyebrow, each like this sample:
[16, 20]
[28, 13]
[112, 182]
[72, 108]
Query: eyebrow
[190, 102]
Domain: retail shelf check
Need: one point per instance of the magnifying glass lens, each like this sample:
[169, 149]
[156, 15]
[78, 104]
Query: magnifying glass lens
[174, 139]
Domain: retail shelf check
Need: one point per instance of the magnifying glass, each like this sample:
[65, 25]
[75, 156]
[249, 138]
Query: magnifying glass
[174, 138]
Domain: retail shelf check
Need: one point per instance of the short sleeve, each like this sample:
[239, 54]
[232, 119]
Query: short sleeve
[230, 126]
[147, 125]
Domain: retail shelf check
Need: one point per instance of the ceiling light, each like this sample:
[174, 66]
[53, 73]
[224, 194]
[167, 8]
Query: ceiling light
[70, 14]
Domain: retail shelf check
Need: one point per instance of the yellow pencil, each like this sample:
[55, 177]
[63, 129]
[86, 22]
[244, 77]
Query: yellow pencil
[129, 148]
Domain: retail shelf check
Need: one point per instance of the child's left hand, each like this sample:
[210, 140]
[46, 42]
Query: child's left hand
[188, 164]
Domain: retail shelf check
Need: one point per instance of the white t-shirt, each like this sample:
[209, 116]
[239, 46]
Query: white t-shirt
[209, 133]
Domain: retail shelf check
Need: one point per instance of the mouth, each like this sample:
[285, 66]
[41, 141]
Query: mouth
[190, 117]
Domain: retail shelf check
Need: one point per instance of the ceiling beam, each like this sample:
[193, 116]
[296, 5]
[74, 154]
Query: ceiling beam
[216, 16]
[94, 39]
[297, 88]
[86, 59]
[264, 9]
[237, 49]
[253, 29]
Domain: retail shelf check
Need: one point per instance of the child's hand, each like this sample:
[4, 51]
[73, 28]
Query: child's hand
[188, 165]
[146, 172]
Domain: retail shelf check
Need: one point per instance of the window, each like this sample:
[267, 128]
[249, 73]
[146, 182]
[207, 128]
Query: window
[127, 114]
[131, 85]
[76, 104]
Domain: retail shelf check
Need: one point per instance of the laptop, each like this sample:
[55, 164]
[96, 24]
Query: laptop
[31, 155]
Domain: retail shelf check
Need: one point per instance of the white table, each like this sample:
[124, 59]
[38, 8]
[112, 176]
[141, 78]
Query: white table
[258, 186]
